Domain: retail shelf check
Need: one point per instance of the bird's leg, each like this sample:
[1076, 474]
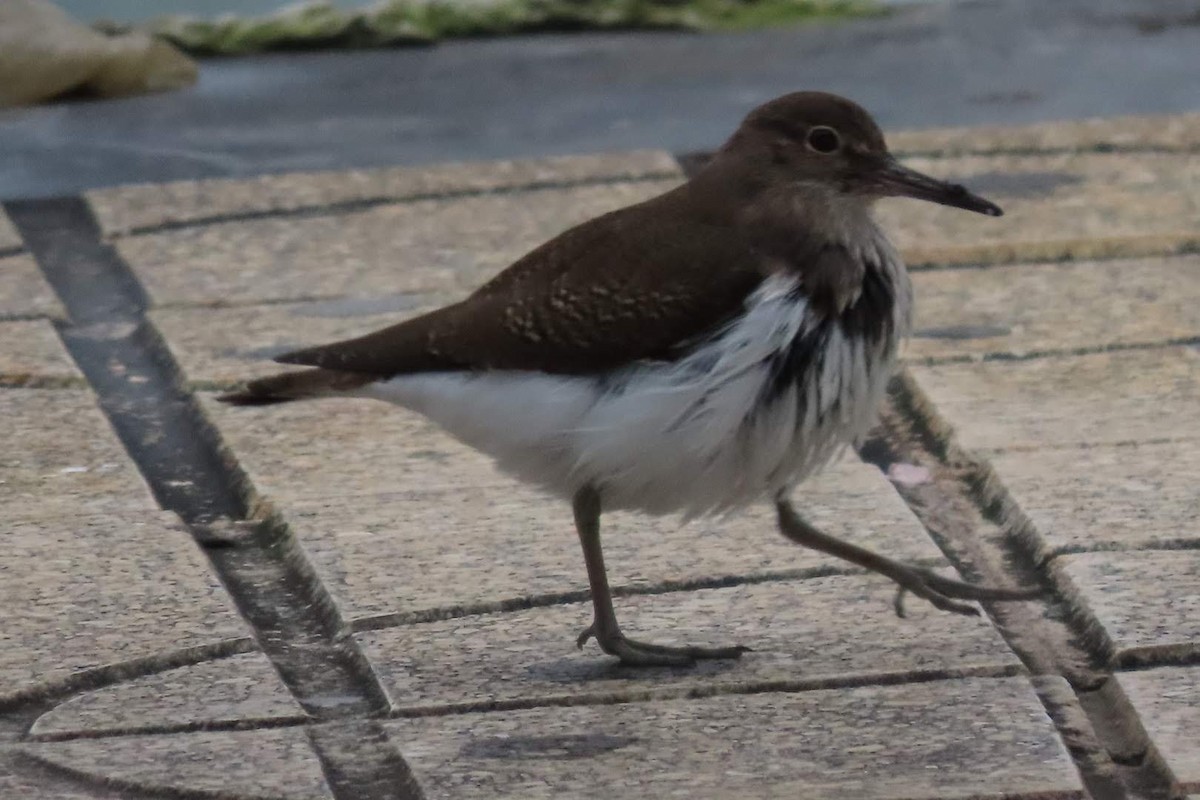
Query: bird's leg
[943, 592]
[604, 625]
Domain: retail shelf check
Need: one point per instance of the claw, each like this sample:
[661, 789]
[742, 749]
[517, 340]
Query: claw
[646, 654]
[581, 640]
[942, 592]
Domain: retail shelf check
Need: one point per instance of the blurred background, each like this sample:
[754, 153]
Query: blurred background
[265, 87]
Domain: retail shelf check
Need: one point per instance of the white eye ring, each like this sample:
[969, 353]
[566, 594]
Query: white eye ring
[823, 139]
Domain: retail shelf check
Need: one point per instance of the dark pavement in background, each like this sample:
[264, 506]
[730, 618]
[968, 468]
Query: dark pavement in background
[946, 64]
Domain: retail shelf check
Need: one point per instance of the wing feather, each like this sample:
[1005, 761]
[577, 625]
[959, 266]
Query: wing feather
[630, 285]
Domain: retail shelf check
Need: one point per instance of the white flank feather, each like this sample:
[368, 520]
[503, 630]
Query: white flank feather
[693, 436]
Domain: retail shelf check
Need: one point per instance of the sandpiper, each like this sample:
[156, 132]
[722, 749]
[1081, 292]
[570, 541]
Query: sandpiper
[691, 354]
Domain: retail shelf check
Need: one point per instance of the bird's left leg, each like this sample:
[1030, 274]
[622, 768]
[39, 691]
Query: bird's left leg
[943, 592]
[604, 625]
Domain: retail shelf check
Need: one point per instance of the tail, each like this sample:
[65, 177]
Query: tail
[289, 386]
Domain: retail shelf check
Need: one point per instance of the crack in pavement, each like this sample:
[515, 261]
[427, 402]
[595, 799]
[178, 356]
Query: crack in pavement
[140, 389]
[972, 519]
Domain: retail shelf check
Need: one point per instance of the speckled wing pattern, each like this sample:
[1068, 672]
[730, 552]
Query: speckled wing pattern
[631, 285]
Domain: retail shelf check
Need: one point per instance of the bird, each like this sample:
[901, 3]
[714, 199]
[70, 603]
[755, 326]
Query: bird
[689, 355]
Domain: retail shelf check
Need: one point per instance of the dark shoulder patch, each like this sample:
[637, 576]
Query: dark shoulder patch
[832, 280]
[871, 315]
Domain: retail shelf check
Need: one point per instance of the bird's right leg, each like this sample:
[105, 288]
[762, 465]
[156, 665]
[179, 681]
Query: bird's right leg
[943, 592]
[604, 625]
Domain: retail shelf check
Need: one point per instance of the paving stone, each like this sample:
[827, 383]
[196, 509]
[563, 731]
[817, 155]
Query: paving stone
[1146, 602]
[1106, 496]
[976, 738]
[225, 346]
[88, 592]
[34, 356]
[1171, 132]
[1032, 308]
[411, 552]
[275, 763]
[24, 293]
[399, 518]
[35, 787]
[125, 208]
[63, 456]
[1067, 401]
[1166, 703]
[814, 633]
[426, 246]
[9, 238]
[1056, 206]
[243, 689]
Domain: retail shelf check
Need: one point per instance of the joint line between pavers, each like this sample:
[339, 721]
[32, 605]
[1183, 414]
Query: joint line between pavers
[1064, 251]
[110, 674]
[54, 781]
[712, 689]
[41, 382]
[287, 607]
[510, 604]
[1117, 347]
[692, 161]
[367, 203]
[917, 430]
[266, 723]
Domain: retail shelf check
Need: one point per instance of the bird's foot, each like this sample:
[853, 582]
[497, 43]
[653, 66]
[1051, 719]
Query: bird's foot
[644, 654]
[945, 592]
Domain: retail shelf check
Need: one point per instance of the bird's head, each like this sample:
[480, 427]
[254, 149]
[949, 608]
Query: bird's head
[829, 145]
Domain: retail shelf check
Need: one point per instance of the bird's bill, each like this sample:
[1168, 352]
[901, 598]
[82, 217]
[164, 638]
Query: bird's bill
[900, 181]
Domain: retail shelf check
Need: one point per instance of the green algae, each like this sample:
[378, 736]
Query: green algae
[410, 22]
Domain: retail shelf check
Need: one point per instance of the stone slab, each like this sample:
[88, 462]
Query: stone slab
[1068, 401]
[399, 518]
[63, 457]
[274, 763]
[1166, 701]
[976, 738]
[125, 208]
[225, 346]
[88, 592]
[243, 689]
[36, 786]
[448, 246]
[24, 293]
[1022, 309]
[9, 238]
[1056, 206]
[1106, 497]
[1153, 132]
[814, 633]
[33, 355]
[1146, 602]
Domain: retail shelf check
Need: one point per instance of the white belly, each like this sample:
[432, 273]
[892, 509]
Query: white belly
[694, 436]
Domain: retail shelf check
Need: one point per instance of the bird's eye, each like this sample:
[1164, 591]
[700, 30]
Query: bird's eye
[824, 140]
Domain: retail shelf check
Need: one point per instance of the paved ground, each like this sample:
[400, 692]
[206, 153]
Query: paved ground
[957, 63]
[335, 601]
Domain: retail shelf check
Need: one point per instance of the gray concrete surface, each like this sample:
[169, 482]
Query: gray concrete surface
[964, 63]
[942, 740]
[795, 628]
[411, 610]
[1164, 696]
